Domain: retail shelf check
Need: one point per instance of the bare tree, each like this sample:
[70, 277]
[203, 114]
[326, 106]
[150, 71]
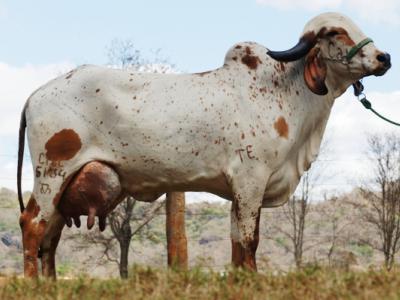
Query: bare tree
[124, 224]
[332, 211]
[295, 212]
[123, 54]
[383, 207]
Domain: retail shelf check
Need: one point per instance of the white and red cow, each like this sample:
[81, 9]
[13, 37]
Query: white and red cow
[246, 132]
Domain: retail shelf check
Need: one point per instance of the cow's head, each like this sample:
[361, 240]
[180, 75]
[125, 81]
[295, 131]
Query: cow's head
[337, 54]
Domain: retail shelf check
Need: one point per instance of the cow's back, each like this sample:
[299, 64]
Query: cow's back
[157, 130]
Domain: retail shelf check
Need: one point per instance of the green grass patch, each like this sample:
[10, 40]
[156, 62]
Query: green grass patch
[198, 283]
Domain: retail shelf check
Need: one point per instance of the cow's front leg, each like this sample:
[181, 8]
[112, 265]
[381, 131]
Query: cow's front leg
[49, 244]
[245, 220]
[33, 230]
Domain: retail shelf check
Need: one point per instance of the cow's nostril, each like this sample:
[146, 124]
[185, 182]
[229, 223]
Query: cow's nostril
[384, 58]
[381, 57]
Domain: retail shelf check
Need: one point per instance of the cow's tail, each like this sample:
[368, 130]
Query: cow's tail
[21, 146]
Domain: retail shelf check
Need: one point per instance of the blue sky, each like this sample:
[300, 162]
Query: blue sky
[193, 34]
[39, 39]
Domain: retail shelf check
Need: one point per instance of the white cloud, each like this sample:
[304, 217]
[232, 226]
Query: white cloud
[384, 12]
[16, 84]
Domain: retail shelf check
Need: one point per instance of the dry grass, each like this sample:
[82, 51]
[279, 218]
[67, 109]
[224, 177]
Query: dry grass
[146, 283]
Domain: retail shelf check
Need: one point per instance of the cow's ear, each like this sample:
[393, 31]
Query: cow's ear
[315, 72]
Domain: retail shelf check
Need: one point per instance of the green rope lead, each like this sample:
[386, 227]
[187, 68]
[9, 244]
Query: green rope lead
[368, 105]
[353, 51]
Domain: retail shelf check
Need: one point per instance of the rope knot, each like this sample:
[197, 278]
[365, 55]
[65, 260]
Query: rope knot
[366, 103]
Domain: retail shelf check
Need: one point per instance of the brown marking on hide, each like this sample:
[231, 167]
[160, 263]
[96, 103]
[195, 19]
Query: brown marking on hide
[252, 245]
[250, 60]
[282, 65]
[63, 145]
[245, 256]
[310, 37]
[235, 206]
[97, 90]
[263, 90]
[90, 194]
[238, 47]
[346, 40]
[32, 235]
[342, 35]
[243, 136]
[282, 127]
[237, 254]
[234, 58]
[276, 83]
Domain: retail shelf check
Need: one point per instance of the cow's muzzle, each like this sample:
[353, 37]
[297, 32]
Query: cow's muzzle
[384, 63]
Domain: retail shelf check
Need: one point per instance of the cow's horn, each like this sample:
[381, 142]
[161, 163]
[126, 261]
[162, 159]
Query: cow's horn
[306, 42]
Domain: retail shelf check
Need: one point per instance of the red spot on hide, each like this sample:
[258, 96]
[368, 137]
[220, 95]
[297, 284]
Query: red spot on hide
[282, 127]
[63, 145]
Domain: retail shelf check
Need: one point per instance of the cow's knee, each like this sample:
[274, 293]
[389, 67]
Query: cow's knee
[33, 231]
[94, 191]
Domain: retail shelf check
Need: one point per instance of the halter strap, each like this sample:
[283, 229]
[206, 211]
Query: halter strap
[353, 51]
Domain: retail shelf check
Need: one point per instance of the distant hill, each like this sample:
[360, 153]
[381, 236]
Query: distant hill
[9, 198]
[208, 234]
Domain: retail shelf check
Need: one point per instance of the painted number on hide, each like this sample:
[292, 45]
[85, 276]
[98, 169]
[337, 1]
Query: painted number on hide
[247, 152]
[48, 169]
[45, 188]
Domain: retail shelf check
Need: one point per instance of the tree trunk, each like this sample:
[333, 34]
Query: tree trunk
[123, 261]
[389, 261]
[175, 227]
[298, 257]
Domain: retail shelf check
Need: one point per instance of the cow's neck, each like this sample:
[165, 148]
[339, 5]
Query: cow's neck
[313, 114]
[338, 84]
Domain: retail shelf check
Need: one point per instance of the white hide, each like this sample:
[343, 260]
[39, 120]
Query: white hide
[249, 128]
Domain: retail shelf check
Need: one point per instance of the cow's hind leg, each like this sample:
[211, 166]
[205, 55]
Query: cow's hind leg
[49, 244]
[33, 229]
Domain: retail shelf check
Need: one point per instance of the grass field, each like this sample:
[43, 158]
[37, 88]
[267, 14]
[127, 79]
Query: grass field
[146, 283]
